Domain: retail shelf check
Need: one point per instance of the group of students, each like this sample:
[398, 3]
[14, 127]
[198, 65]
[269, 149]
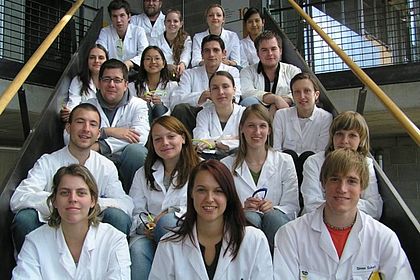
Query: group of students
[189, 218]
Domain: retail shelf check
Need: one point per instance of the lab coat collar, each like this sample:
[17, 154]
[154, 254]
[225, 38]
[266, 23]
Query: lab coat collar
[195, 258]
[353, 243]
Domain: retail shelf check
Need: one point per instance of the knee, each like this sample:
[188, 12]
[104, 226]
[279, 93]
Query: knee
[117, 218]
[26, 217]
[134, 154]
[275, 218]
[254, 218]
[248, 101]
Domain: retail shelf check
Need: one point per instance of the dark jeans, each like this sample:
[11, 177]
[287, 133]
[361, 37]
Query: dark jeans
[186, 114]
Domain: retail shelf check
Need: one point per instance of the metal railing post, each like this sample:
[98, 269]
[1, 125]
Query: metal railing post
[361, 100]
[24, 114]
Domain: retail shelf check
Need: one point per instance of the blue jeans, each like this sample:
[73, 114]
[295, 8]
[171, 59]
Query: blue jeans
[25, 221]
[130, 160]
[248, 101]
[117, 218]
[142, 250]
[268, 222]
[156, 111]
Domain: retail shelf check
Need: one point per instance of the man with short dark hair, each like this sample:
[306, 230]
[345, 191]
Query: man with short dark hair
[193, 91]
[123, 40]
[29, 201]
[267, 82]
[125, 124]
[152, 20]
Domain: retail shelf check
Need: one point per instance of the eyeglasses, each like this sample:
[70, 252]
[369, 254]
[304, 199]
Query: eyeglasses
[108, 80]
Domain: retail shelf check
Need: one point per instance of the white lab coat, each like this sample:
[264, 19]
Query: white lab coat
[152, 31]
[45, 255]
[135, 41]
[304, 248]
[183, 259]
[154, 202]
[168, 52]
[209, 127]
[33, 191]
[252, 82]
[134, 115]
[288, 134]
[278, 175]
[194, 81]
[248, 52]
[75, 95]
[232, 46]
[313, 194]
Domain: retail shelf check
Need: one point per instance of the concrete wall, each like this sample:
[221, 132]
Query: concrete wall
[401, 163]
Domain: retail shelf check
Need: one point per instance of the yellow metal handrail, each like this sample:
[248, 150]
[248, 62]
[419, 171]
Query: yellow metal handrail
[399, 115]
[23, 74]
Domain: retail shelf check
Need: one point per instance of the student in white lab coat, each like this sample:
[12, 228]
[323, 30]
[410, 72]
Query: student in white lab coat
[122, 39]
[152, 20]
[74, 244]
[217, 125]
[160, 188]
[84, 85]
[348, 130]
[213, 241]
[337, 240]
[153, 83]
[302, 130]
[257, 165]
[215, 16]
[254, 24]
[175, 43]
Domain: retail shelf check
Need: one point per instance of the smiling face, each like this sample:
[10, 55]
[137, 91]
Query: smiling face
[153, 61]
[269, 52]
[113, 86]
[215, 18]
[120, 20]
[254, 25]
[83, 129]
[222, 91]
[167, 143]
[255, 131]
[173, 23]
[152, 7]
[346, 139]
[305, 97]
[212, 54]
[208, 198]
[95, 60]
[342, 192]
[73, 200]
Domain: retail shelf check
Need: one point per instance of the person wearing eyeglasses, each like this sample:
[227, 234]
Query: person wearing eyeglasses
[213, 241]
[122, 39]
[152, 20]
[338, 240]
[257, 165]
[125, 122]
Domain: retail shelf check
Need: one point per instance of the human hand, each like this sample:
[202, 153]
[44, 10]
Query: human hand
[203, 97]
[265, 206]
[65, 114]
[252, 203]
[128, 134]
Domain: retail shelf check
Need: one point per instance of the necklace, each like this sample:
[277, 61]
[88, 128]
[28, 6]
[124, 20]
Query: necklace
[338, 228]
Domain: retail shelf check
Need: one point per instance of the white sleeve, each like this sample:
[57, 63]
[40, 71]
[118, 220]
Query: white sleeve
[235, 52]
[142, 43]
[196, 51]
[186, 53]
[28, 265]
[263, 268]
[289, 202]
[371, 201]
[119, 261]
[324, 134]
[31, 191]
[163, 267]
[311, 188]
[202, 129]
[183, 93]
[247, 84]
[244, 58]
[278, 131]
[139, 198]
[285, 260]
[103, 38]
[113, 193]
[75, 96]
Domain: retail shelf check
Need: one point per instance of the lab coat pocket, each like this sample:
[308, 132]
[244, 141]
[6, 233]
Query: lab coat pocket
[306, 274]
[365, 272]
